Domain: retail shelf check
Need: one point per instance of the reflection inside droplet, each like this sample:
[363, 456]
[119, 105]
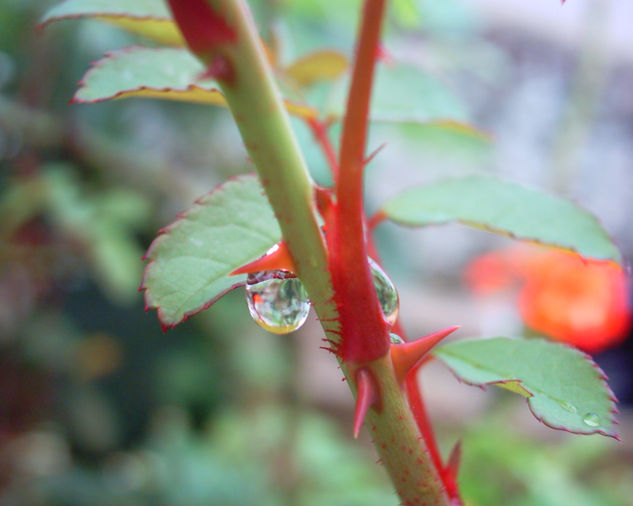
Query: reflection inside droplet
[591, 419]
[277, 301]
[386, 291]
[395, 338]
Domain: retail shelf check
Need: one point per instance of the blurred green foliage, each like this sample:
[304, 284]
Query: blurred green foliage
[97, 405]
[502, 466]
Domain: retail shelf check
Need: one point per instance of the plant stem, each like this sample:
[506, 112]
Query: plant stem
[265, 128]
[351, 276]
[247, 83]
[397, 440]
[416, 403]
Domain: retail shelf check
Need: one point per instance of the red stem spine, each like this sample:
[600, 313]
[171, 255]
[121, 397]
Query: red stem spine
[364, 330]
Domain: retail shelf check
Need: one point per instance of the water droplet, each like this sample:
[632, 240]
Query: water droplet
[395, 338]
[568, 407]
[386, 291]
[591, 419]
[277, 301]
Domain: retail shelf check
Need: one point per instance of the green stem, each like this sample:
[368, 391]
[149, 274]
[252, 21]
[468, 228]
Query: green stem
[397, 440]
[264, 125]
[247, 83]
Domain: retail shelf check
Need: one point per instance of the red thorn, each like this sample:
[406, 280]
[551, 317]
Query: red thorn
[376, 219]
[454, 460]
[374, 153]
[331, 350]
[276, 259]
[385, 56]
[220, 68]
[406, 356]
[324, 202]
[366, 395]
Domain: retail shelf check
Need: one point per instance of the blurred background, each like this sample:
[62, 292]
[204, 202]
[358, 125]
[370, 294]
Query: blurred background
[99, 406]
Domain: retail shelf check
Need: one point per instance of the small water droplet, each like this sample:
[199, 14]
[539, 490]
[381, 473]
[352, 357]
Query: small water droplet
[386, 291]
[591, 419]
[395, 338]
[568, 407]
[277, 301]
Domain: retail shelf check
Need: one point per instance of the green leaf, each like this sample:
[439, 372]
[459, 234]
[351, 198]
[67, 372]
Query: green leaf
[504, 208]
[565, 388]
[156, 9]
[404, 94]
[166, 73]
[171, 73]
[190, 261]
[149, 18]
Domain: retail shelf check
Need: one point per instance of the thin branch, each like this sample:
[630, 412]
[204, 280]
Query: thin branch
[367, 336]
[320, 132]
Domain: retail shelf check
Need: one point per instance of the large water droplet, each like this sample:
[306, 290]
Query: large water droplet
[395, 338]
[591, 419]
[386, 291]
[277, 301]
[568, 407]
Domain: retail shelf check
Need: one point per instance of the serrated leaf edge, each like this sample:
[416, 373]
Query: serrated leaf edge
[162, 234]
[601, 376]
[48, 20]
[97, 65]
[499, 231]
[293, 107]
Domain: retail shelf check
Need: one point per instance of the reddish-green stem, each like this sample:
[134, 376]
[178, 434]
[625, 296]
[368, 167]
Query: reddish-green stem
[419, 413]
[413, 391]
[239, 63]
[366, 336]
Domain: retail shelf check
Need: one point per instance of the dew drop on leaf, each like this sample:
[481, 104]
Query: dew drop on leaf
[277, 301]
[386, 291]
[591, 419]
[395, 338]
[568, 407]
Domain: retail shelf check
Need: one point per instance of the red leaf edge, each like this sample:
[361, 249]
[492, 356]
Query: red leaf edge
[83, 15]
[601, 376]
[163, 233]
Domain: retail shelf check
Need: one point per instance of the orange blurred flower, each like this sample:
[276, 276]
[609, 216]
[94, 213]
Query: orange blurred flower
[562, 295]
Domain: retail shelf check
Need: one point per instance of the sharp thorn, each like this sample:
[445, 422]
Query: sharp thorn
[374, 153]
[454, 460]
[365, 397]
[276, 259]
[406, 356]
